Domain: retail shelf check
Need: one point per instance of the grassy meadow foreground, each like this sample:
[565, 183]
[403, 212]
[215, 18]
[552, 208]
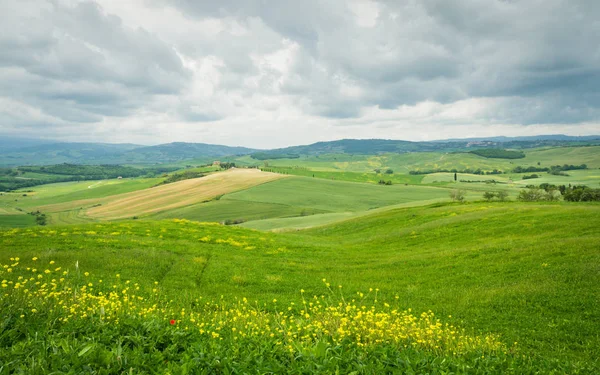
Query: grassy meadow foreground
[302, 264]
[494, 287]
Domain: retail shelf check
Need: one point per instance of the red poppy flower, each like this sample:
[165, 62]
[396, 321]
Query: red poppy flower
[173, 322]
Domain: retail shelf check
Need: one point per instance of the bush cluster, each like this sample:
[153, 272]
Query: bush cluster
[499, 195]
[181, 176]
[550, 192]
[495, 153]
[530, 176]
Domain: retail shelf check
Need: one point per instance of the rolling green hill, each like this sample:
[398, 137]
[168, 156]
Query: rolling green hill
[335, 195]
[303, 201]
[164, 197]
[15, 206]
[514, 270]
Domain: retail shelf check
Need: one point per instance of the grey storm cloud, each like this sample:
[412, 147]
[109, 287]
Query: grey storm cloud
[73, 61]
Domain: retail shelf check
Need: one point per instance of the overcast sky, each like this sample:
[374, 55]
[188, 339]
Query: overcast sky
[273, 73]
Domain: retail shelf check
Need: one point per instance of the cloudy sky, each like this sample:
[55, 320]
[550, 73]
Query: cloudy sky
[273, 73]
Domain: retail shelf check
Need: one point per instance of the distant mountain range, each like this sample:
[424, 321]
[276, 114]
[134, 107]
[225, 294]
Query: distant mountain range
[23, 151]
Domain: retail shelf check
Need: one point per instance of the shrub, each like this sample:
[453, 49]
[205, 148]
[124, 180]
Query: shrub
[535, 194]
[530, 176]
[556, 172]
[502, 196]
[489, 195]
[181, 176]
[532, 194]
[580, 193]
[234, 221]
[457, 195]
[40, 219]
[520, 169]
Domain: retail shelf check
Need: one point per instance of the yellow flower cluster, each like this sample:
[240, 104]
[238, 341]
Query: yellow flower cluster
[68, 295]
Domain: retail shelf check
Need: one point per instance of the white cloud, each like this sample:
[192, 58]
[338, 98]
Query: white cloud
[266, 73]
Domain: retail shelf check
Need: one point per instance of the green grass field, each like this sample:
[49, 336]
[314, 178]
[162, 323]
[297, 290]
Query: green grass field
[232, 209]
[70, 203]
[525, 272]
[15, 203]
[72, 191]
[175, 195]
[368, 177]
[16, 221]
[589, 178]
[299, 202]
[335, 195]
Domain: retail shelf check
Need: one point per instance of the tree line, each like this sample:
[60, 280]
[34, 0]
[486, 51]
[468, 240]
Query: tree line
[478, 171]
[551, 192]
[268, 156]
[554, 169]
[497, 153]
[13, 178]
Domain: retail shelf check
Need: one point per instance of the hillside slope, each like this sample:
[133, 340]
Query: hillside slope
[179, 194]
[507, 268]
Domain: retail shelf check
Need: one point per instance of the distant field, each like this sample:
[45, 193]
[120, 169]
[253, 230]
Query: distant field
[590, 177]
[70, 191]
[318, 220]
[16, 221]
[303, 202]
[338, 185]
[60, 195]
[338, 196]
[298, 222]
[433, 178]
[564, 155]
[178, 194]
[240, 198]
[76, 216]
[369, 177]
[232, 209]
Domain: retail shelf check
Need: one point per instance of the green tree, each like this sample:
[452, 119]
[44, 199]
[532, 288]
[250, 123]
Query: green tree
[552, 195]
[489, 195]
[502, 195]
[533, 194]
[457, 195]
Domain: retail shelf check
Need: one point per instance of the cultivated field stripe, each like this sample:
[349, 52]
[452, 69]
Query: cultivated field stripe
[180, 194]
